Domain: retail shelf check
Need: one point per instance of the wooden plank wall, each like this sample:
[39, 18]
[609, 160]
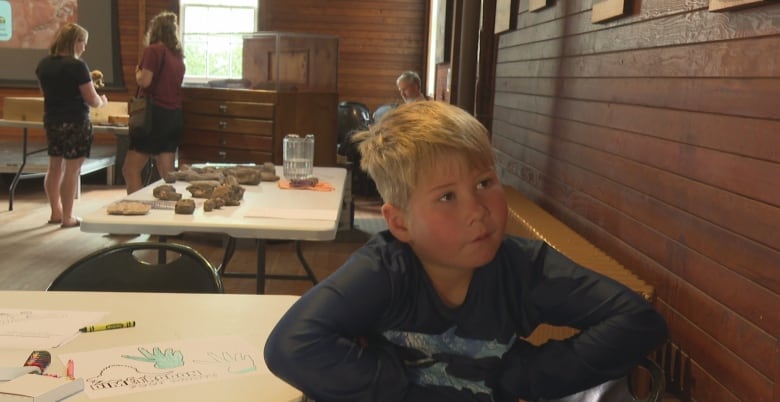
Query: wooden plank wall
[377, 40]
[656, 136]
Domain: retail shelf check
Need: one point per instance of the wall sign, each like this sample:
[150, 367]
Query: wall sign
[607, 9]
[506, 11]
[534, 5]
[717, 5]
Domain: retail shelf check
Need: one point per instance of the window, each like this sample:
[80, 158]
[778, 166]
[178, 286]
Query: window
[212, 37]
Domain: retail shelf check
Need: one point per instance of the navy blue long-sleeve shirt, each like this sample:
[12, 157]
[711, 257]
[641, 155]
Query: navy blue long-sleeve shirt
[376, 330]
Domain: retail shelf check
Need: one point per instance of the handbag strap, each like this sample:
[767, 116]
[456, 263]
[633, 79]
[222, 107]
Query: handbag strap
[155, 76]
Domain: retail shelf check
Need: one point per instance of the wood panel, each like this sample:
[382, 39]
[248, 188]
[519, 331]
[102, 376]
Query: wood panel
[654, 135]
[377, 41]
[731, 286]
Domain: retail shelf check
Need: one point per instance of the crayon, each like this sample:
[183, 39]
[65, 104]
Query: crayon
[105, 327]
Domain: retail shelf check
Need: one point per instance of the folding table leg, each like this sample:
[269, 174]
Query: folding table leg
[305, 263]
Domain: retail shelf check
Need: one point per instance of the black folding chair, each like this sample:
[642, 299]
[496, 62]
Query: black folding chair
[141, 267]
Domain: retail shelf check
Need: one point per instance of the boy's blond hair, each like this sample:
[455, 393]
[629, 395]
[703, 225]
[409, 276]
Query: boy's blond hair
[409, 140]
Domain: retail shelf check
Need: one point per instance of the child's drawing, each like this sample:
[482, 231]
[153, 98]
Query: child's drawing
[161, 360]
[135, 368]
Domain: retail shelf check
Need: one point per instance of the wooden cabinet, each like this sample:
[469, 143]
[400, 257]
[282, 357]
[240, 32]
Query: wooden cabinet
[243, 126]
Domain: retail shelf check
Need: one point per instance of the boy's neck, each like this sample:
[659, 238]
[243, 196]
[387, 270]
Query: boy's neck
[452, 285]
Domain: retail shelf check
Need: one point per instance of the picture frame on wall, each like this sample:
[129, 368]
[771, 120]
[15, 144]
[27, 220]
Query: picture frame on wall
[534, 5]
[606, 10]
[720, 5]
[506, 15]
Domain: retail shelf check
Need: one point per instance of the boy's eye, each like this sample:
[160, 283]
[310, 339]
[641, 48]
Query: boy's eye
[447, 197]
[485, 183]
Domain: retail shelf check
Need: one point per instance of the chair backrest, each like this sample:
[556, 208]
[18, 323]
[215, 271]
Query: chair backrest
[174, 268]
[621, 389]
[352, 116]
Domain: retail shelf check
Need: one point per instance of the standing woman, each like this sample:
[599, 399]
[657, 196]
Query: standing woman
[160, 75]
[68, 92]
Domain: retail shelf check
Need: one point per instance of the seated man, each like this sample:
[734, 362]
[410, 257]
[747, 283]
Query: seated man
[410, 87]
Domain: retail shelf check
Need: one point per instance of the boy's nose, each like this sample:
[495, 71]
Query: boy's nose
[477, 209]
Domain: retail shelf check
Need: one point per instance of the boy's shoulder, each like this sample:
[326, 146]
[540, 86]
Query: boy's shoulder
[516, 245]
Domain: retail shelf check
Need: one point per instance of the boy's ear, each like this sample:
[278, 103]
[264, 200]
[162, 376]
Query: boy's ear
[396, 222]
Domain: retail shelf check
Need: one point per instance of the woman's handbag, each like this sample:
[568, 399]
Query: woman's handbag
[140, 109]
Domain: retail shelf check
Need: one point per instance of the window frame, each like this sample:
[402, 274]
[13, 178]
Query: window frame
[189, 78]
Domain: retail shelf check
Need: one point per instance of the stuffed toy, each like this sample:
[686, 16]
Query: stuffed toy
[97, 79]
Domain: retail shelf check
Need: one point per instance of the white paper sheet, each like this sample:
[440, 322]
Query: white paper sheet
[135, 368]
[42, 329]
[284, 213]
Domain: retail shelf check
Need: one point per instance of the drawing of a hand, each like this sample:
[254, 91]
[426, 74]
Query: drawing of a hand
[162, 360]
[234, 363]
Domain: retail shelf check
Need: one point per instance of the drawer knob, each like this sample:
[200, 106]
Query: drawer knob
[222, 124]
[223, 142]
[223, 108]
[222, 155]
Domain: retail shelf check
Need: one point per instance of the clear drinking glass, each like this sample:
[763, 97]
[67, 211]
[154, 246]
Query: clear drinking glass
[298, 156]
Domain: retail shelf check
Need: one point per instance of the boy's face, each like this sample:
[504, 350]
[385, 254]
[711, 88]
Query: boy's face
[455, 219]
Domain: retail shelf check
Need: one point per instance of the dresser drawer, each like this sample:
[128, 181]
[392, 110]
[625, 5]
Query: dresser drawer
[229, 140]
[228, 124]
[190, 154]
[230, 108]
[217, 118]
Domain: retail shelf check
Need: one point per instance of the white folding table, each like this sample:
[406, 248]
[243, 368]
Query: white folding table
[266, 212]
[168, 317]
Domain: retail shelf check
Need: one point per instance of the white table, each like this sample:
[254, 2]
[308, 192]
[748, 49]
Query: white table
[170, 317]
[26, 125]
[290, 215]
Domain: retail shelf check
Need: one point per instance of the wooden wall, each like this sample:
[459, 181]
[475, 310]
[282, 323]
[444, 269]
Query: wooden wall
[657, 136]
[377, 40]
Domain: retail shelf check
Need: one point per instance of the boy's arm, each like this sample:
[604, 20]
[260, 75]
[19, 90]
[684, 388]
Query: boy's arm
[618, 327]
[319, 345]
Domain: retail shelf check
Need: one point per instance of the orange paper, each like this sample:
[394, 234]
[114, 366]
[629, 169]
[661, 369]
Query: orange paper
[321, 186]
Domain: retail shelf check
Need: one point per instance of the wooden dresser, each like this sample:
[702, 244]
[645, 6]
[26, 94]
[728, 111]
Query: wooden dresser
[242, 126]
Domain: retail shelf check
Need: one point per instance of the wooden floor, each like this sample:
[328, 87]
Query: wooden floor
[33, 252]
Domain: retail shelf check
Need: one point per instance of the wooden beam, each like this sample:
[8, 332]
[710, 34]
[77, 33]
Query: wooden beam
[141, 28]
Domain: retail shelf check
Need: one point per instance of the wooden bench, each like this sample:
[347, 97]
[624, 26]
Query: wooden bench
[528, 219]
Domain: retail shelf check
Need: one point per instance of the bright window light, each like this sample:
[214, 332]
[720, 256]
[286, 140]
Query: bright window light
[212, 37]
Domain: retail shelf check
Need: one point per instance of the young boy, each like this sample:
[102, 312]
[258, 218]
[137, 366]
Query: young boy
[435, 308]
